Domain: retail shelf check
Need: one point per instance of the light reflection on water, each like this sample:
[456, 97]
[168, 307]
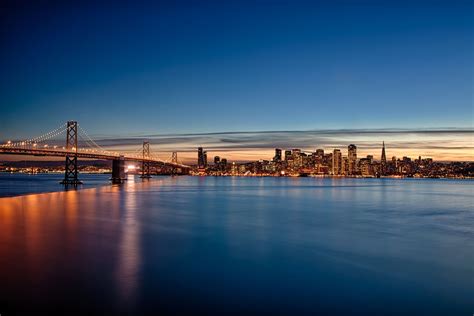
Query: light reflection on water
[129, 257]
[241, 245]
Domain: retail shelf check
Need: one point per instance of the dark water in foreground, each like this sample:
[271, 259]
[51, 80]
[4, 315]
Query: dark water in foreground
[241, 245]
[14, 184]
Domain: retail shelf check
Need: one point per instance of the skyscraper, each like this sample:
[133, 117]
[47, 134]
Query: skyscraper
[277, 157]
[287, 154]
[383, 160]
[336, 162]
[297, 157]
[223, 164]
[352, 157]
[320, 153]
[202, 158]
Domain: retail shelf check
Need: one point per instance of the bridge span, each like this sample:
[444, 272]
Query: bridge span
[72, 152]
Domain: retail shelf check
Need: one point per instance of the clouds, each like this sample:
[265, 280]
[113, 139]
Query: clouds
[441, 144]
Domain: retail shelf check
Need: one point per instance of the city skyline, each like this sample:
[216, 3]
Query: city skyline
[320, 163]
[454, 144]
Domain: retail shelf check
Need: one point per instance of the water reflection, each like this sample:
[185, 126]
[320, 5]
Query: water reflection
[240, 245]
[129, 248]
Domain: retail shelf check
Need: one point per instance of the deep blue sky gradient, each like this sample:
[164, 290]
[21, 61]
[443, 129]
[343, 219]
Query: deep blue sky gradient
[130, 68]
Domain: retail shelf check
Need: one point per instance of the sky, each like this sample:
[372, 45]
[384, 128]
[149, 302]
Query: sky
[243, 77]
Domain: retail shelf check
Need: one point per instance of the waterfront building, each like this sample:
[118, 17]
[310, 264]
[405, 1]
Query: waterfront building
[345, 166]
[383, 160]
[202, 158]
[336, 162]
[234, 169]
[297, 158]
[277, 157]
[366, 166]
[352, 159]
[223, 164]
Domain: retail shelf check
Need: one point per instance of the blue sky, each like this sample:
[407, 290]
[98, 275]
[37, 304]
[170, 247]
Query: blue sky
[135, 68]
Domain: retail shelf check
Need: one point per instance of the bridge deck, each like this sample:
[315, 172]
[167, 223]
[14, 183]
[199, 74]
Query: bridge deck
[80, 154]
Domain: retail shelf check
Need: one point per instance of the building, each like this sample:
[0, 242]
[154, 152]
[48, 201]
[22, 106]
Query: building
[287, 154]
[352, 159]
[234, 169]
[345, 166]
[277, 157]
[297, 158]
[366, 166]
[336, 162]
[217, 160]
[383, 160]
[202, 158]
[223, 164]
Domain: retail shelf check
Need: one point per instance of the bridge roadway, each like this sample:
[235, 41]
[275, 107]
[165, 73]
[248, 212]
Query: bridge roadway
[81, 154]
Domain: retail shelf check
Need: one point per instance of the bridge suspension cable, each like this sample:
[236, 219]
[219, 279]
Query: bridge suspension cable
[83, 134]
[39, 139]
[40, 145]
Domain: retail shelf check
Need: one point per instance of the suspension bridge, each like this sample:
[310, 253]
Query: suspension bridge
[79, 144]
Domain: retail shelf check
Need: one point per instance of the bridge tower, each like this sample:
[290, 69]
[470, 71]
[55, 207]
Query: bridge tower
[70, 173]
[145, 163]
[174, 160]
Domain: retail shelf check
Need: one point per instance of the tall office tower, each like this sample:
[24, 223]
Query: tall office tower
[217, 159]
[366, 166]
[224, 164]
[204, 155]
[287, 154]
[200, 158]
[352, 156]
[277, 157]
[383, 160]
[345, 166]
[336, 162]
[297, 157]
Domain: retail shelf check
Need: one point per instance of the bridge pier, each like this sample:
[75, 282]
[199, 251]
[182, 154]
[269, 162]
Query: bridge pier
[70, 173]
[118, 170]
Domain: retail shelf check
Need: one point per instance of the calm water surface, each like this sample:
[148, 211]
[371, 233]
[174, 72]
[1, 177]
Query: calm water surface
[14, 184]
[222, 246]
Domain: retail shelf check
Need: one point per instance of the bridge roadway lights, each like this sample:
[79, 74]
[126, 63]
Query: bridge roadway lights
[118, 170]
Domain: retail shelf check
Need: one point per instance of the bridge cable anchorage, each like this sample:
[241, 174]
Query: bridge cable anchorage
[70, 173]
